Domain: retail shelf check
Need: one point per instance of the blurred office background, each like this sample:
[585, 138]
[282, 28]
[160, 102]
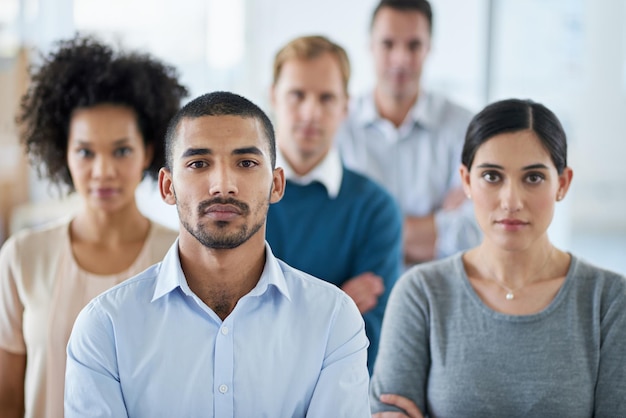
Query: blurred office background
[568, 54]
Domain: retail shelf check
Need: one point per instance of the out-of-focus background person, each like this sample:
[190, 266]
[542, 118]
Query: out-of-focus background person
[92, 121]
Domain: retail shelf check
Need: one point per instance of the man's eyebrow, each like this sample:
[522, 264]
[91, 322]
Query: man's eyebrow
[192, 152]
[247, 150]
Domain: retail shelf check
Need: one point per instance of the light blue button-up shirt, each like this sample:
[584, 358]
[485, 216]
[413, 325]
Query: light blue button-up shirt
[294, 346]
[417, 162]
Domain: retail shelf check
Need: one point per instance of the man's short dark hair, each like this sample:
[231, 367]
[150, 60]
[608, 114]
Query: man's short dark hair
[219, 103]
[421, 6]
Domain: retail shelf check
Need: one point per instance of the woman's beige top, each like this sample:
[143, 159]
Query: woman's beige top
[42, 290]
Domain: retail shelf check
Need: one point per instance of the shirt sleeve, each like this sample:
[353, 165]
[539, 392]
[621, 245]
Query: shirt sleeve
[342, 388]
[611, 385]
[11, 306]
[380, 252]
[404, 358]
[92, 382]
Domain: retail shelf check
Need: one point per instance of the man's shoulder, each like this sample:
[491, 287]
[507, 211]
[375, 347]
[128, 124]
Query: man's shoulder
[311, 289]
[132, 292]
[445, 110]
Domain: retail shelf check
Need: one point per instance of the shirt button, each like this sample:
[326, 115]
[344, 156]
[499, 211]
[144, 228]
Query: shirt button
[223, 388]
[225, 330]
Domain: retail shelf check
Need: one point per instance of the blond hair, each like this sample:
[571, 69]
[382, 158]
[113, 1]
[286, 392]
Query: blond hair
[310, 47]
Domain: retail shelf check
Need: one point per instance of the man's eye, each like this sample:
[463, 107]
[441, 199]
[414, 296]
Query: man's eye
[198, 164]
[248, 164]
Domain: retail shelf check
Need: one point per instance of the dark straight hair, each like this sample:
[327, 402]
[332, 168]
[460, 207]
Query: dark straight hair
[513, 115]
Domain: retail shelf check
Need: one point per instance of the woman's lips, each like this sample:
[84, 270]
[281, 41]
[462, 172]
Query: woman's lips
[512, 224]
[105, 192]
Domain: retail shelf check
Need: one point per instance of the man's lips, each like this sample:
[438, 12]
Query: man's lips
[223, 208]
[221, 212]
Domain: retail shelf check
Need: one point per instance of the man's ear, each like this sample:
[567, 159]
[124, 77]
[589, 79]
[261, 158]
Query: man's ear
[166, 187]
[278, 185]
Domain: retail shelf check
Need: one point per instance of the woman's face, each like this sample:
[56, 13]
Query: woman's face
[514, 186]
[106, 156]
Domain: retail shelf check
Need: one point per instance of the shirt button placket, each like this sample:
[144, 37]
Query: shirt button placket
[223, 371]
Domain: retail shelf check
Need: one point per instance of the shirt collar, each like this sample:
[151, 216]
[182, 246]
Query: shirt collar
[329, 172]
[170, 275]
[421, 112]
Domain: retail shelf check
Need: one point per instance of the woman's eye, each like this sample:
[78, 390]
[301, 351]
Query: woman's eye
[535, 178]
[491, 177]
[84, 153]
[123, 151]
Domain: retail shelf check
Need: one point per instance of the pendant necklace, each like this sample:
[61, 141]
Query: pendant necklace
[510, 293]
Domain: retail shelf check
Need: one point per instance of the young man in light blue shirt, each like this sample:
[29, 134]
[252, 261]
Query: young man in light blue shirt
[220, 328]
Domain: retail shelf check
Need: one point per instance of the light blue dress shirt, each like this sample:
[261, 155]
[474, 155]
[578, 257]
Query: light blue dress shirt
[417, 162]
[294, 346]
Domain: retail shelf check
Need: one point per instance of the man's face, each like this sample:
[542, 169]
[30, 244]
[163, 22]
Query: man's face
[310, 103]
[400, 41]
[221, 180]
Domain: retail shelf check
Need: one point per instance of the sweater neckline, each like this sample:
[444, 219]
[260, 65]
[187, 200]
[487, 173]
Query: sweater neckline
[552, 306]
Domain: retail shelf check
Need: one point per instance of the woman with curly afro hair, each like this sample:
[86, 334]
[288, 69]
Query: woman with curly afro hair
[93, 121]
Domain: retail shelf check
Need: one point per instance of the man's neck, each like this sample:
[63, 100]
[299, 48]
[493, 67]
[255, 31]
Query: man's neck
[394, 108]
[221, 277]
[300, 164]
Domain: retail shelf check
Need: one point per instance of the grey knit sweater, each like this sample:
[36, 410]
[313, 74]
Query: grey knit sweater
[442, 347]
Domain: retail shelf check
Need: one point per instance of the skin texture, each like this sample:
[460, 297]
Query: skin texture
[411, 410]
[310, 103]
[13, 368]
[399, 43]
[222, 183]
[106, 158]
[514, 186]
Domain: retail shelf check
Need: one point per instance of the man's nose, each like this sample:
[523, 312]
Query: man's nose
[311, 109]
[222, 181]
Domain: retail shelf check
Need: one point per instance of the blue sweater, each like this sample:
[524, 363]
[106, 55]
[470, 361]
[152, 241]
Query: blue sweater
[336, 239]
